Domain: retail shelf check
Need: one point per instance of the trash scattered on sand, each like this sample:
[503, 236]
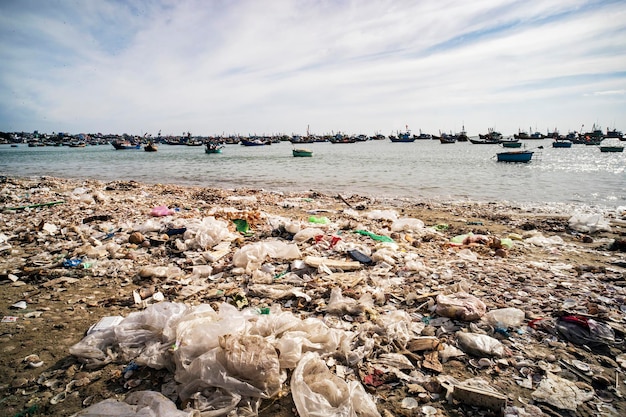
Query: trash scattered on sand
[188, 301]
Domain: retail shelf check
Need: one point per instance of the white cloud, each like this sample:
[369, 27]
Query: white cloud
[278, 66]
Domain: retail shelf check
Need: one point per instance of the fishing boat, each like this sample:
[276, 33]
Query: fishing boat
[492, 136]
[485, 141]
[341, 138]
[125, 144]
[562, 143]
[511, 144]
[611, 148]
[462, 135]
[213, 147]
[255, 141]
[445, 138]
[423, 136]
[301, 152]
[614, 134]
[594, 137]
[403, 137]
[515, 156]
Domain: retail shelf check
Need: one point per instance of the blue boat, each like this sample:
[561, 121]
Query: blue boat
[515, 156]
[562, 143]
[403, 137]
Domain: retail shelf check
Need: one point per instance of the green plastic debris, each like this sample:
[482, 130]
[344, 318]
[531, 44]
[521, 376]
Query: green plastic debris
[243, 227]
[374, 236]
[265, 310]
[460, 238]
[441, 226]
[319, 220]
[52, 203]
[506, 242]
[282, 274]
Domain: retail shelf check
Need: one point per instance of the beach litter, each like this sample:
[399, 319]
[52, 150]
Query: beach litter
[241, 304]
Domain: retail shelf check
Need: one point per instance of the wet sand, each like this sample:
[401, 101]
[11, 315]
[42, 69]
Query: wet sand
[47, 221]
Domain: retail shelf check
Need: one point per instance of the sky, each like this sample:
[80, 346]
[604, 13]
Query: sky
[212, 67]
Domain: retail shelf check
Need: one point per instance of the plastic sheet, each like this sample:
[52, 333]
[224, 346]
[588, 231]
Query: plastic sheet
[317, 392]
[137, 404]
[589, 223]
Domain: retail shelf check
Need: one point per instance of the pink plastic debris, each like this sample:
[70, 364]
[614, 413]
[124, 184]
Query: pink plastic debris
[161, 211]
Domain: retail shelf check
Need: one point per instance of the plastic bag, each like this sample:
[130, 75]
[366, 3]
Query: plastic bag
[307, 234]
[585, 331]
[589, 223]
[317, 392]
[382, 215]
[505, 317]
[136, 404]
[252, 256]
[207, 233]
[161, 211]
[480, 345]
[338, 304]
[460, 306]
[407, 224]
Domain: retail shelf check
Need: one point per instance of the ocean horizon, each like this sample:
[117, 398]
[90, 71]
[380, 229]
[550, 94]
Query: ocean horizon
[424, 170]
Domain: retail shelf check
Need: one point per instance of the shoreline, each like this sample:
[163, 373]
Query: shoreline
[126, 258]
[440, 202]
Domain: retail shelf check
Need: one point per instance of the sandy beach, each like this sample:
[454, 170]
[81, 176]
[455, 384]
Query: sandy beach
[75, 252]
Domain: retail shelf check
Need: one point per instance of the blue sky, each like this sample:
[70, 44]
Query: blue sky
[278, 66]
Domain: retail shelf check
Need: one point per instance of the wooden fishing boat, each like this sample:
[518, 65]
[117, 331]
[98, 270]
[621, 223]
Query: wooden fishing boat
[125, 144]
[150, 147]
[445, 138]
[485, 141]
[511, 144]
[341, 138]
[612, 148]
[515, 156]
[301, 152]
[614, 134]
[255, 142]
[562, 143]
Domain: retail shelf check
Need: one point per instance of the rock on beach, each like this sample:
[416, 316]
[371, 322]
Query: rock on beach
[125, 295]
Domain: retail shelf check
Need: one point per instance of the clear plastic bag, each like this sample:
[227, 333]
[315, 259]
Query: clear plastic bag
[480, 345]
[407, 224]
[137, 404]
[317, 392]
[252, 256]
[505, 318]
[460, 306]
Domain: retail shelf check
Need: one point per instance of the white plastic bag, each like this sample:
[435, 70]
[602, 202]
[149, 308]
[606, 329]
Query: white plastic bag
[317, 392]
[252, 256]
[505, 317]
[480, 344]
[407, 224]
[460, 306]
[137, 404]
[589, 223]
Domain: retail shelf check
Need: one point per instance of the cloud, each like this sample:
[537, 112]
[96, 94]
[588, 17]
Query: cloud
[278, 66]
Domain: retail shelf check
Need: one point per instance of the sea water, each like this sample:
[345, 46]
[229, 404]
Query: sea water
[421, 170]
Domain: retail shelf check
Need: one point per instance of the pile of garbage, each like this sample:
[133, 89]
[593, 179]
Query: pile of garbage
[347, 306]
